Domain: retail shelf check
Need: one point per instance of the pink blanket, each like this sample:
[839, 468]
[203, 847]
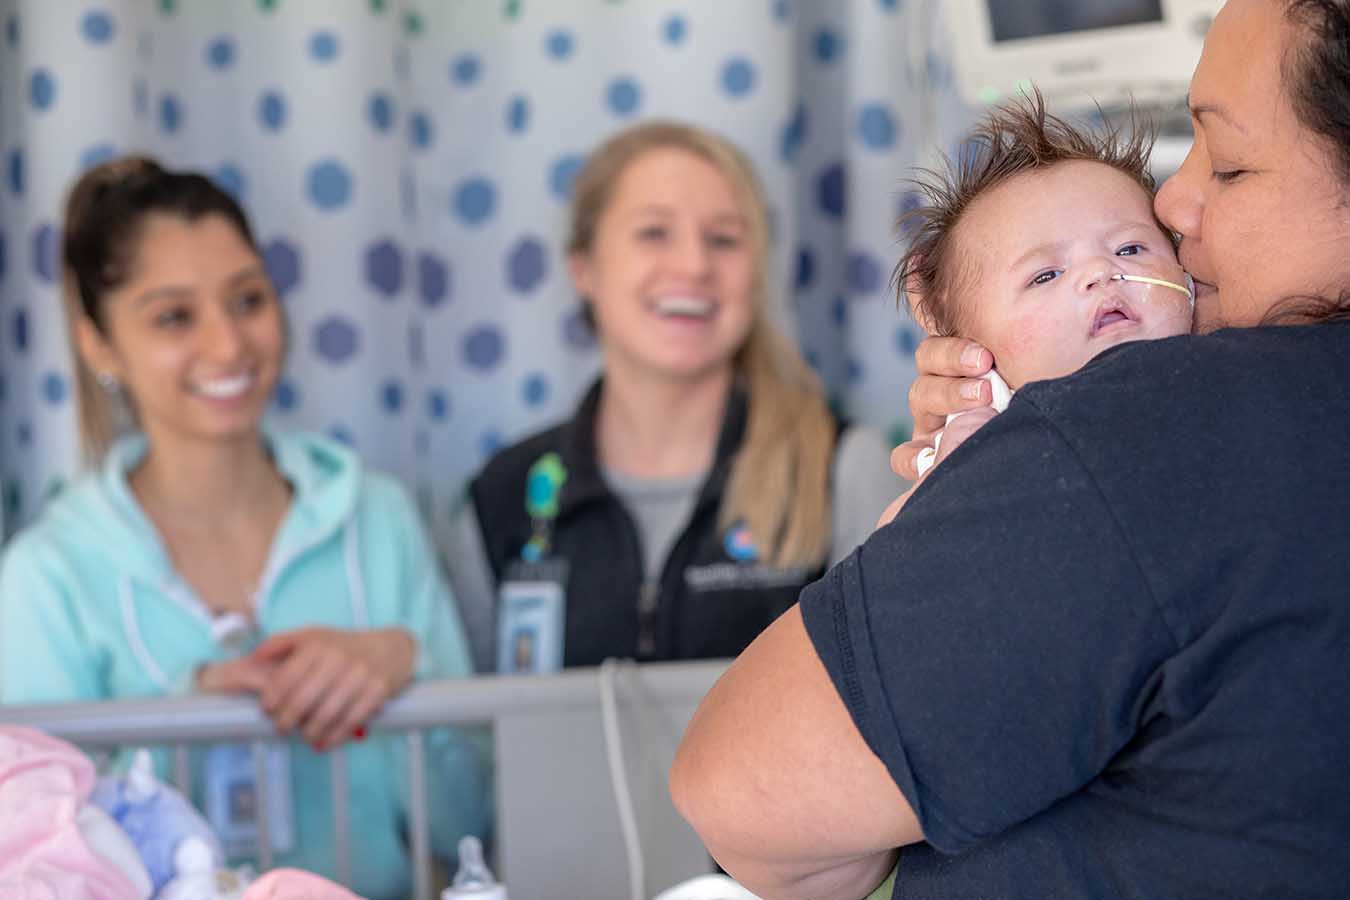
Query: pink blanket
[43, 784]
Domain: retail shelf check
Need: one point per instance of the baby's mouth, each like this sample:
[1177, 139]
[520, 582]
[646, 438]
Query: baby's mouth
[1110, 314]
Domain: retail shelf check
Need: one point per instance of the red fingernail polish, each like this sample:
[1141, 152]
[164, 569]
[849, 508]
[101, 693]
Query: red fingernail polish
[359, 732]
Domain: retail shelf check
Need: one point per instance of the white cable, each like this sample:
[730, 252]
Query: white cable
[618, 776]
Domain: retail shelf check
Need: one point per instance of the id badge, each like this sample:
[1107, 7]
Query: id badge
[231, 801]
[532, 603]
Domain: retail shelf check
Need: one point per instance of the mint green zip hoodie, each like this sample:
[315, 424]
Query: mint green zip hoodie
[92, 609]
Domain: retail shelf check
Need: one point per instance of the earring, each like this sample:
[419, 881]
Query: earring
[108, 382]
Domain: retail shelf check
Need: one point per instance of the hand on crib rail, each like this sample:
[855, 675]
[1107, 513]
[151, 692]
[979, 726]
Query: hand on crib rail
[323, 682]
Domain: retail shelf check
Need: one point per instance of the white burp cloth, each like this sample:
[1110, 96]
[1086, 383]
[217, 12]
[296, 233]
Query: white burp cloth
[1002, 396]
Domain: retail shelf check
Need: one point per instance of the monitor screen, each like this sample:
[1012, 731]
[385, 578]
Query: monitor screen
[1014, 20]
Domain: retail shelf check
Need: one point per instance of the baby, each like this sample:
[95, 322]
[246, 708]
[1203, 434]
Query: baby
[1043, 246]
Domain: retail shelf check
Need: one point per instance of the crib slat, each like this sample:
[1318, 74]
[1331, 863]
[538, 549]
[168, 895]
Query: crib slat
[337, 762]
[262, 798]
[182, 773]
[417, 808]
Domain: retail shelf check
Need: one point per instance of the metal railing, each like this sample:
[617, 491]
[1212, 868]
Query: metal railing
[180, 722]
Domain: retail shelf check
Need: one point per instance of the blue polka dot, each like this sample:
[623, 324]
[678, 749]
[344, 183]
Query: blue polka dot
[854, 370]
[831, 191]
[864, 275]
[909, 201]
[98, 153]
[839, 311]
[12, 31]
[391, 396]
[384, 268]
[220, 53]
[782, 10]
[562, 174]
[535, 390]
[42, 89]
[876, 127]
[231, 180]
[23, 433]
[484, 348]
[53, 389]
[559, 44]
[518, 114]
[323, 46]
[475, 200]
[381, 112]
[282, 262]
[575, 332]
[905, 340]
[890, 5]
[170, 113]
[272, 110]
[15, 170]
[18, 329]
[828, 45]
[674, 30]
[335, 340]
[526, 265]
[794, 133]
[45, 241]
[140, 97]
[623, 96]
[97, 27]
[438, 405]
[433, 279]
[738, 77]
[330, 185]
[466, 69]
[420, 130]
[490, 443]
[286, 397]
[342, 434]
[806, 268]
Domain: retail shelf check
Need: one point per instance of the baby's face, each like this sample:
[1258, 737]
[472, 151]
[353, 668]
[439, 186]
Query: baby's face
[1045, 245]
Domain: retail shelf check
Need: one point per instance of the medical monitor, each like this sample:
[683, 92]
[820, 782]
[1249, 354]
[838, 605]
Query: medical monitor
[1078, 52]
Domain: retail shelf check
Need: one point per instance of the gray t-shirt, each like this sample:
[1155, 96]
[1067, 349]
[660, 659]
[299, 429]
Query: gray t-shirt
[863, 486]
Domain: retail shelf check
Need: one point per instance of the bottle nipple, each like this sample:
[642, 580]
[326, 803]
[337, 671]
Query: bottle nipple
[473, 879]
[141, 781]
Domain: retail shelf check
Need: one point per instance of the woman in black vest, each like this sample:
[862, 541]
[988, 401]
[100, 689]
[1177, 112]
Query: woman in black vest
[702, 481]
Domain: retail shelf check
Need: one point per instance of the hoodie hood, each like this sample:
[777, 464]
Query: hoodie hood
[325, 479]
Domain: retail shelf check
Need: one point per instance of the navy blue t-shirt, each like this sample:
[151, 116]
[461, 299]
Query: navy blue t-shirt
[1105, 649]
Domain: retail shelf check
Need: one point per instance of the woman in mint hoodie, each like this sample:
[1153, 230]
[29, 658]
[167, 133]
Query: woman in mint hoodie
[208, 554]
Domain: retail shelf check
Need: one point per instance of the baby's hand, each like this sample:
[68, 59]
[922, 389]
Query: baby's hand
[953, 436]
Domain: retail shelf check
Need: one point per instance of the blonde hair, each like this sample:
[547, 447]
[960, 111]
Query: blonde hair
[779, 486]
[104, 217]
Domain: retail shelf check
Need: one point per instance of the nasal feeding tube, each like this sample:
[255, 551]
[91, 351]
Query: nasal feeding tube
[1188, 288]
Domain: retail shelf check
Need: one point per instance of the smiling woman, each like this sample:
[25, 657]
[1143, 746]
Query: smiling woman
[209, 554]
[703, 480]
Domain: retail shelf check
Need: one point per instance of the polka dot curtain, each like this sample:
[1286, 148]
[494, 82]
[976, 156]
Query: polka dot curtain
[407, 166]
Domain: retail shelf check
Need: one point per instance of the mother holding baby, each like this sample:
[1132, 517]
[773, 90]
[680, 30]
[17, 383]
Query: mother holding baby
[1096, 655]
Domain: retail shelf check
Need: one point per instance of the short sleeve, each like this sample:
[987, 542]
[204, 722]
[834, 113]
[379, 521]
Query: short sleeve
[995, 645]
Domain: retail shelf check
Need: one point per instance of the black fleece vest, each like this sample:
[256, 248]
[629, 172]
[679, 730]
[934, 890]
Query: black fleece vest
[713, 597]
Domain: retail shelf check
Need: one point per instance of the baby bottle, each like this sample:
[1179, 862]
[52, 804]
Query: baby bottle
[473, 881]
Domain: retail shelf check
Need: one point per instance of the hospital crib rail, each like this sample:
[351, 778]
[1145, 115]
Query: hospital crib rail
[179, 722]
